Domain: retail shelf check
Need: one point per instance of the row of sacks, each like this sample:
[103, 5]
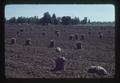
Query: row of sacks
[78, 44]
[76, 35]
[52, 43]
[71, 37]
[27, 42]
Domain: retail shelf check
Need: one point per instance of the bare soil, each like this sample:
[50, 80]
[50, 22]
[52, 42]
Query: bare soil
[37, 60]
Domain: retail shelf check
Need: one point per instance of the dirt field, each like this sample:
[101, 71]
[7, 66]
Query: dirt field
[36, 60]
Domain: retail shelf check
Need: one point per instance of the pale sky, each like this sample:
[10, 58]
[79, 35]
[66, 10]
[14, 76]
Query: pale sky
[94, 12]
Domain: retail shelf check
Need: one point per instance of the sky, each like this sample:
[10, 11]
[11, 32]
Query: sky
[94, 12]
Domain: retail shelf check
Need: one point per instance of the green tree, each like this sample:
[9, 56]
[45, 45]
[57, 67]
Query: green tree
[53, 19]
[20, 19]
[12, 20]
[46, 18]
[66, 20]
[59, 20]
[75, 20]
[89, 21]
[84, 21]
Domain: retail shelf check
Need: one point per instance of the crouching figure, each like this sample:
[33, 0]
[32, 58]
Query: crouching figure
[60, 61]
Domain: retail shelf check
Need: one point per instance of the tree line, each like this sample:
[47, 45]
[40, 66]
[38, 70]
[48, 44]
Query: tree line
[48, 19]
